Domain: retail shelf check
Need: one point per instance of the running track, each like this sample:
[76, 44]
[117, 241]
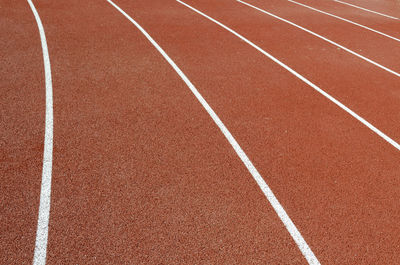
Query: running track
[141, 172]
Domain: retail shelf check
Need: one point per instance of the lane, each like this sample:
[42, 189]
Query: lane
[297, 75]
[385, 7]
[22, 113]
[336, 177]
[288, 223]
[346, 20]
[141, 173]
[349, 38]
[388, 26]
[357, 84]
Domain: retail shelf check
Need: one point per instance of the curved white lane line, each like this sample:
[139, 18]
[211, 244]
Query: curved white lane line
[346, 20]
[305, 249]
[323, 38]
[362, 8]
[44, 206]
[302, 78]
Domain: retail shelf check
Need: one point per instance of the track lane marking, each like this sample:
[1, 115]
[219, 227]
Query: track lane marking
[45, 190]
[365, 9]
[346, 20]
[298, 238]
[302, 78]
[323, 38]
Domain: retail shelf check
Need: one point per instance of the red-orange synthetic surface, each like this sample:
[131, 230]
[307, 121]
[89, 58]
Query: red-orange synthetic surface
[142, 175]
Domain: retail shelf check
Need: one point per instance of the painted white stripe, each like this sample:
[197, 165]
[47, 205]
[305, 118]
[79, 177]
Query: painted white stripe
[323, 38]
[346, 20]
[305, 249]
[44, 206]
[302, 78]
[362, 8]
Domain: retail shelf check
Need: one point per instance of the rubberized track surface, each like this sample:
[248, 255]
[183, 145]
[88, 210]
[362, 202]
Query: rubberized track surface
[141, 174]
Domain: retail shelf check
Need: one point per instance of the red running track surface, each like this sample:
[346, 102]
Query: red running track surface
[142, 175]
[22, 100]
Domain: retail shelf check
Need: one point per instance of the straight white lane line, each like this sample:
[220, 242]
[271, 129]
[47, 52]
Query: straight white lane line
[302, 78]
[305, 249]
[323, 38]
[362, 8]
[44, 206]
[346, 20]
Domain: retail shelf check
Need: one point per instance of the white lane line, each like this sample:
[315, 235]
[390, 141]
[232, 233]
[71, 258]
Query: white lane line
[302, 78]
[44, 206]
[305, 249]
[323, 38]
[362, 8]
[346, 20]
